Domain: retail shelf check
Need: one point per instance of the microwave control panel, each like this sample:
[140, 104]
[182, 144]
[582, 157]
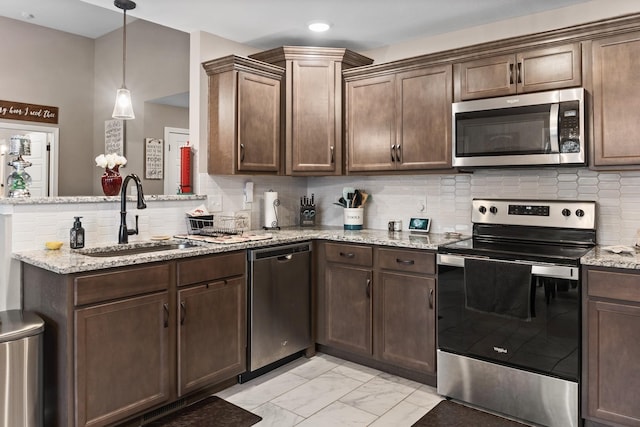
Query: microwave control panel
[569, 127]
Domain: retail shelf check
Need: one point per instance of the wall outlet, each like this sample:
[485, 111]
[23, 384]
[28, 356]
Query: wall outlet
[214, 203]
[421, 204]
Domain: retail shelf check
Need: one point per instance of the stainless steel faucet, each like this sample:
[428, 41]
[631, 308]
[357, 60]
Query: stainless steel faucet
[124, 233]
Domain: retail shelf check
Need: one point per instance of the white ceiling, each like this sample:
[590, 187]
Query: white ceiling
[264, 24]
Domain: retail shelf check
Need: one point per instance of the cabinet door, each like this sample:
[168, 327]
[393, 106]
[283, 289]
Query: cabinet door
[348, 308]
[549, 68]
[371, 124]
[613, 379]
[211, 333]
[423, 106]
[258, 123]
[488, 77]
[122, 359]
[405, 321]
[314, 141]
[616, 100]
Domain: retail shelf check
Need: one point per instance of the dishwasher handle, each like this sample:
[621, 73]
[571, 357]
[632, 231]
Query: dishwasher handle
[279, 252]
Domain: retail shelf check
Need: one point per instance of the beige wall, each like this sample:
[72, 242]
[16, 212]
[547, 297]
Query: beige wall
[539, 22]
[48, 67]
[157, 66]
[80, 76]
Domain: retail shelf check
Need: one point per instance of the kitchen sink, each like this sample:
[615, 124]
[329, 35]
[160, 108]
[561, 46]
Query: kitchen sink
[113, 251]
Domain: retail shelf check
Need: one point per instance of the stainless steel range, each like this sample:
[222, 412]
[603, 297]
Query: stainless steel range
[509, 309]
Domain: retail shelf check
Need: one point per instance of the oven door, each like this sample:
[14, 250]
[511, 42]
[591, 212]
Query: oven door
[546, 342]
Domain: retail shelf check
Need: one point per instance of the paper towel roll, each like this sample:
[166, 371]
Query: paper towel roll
[271, 203]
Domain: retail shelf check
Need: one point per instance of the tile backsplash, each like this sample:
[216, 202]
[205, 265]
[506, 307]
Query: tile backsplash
[446, 199]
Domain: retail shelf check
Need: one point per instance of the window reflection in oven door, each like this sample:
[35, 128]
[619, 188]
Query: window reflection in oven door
[548, 343]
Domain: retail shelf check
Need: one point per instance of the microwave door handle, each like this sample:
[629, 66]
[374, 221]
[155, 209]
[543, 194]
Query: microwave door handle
[553, 128]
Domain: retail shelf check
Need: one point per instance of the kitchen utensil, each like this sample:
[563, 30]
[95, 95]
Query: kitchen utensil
[343, 202]
[346, 191]
[357, 199]
[365, 197]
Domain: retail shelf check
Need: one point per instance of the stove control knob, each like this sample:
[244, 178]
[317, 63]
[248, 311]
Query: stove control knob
[482, 210]
[580, 213]
[566, 212]
[493, 210]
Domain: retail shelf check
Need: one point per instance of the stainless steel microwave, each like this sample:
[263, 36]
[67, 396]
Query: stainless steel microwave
[546, 128]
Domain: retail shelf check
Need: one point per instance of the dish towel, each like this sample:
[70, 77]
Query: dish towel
[502, 288]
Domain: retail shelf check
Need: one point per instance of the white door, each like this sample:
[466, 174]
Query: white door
[174, 138]
[43, 170]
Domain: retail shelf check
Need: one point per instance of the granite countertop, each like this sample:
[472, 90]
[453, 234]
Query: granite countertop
[66, 261]
[93, 199]
[601, 257]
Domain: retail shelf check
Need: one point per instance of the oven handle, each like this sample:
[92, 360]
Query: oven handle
[537, 269]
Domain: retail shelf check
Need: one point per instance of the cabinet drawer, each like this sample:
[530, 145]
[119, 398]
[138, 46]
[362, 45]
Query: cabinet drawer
[615, 285]
[210, 268]
[120, 284]
[408, 261]
[349, 254]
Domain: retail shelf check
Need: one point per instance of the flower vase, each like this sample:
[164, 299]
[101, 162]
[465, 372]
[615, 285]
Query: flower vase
[111, 181]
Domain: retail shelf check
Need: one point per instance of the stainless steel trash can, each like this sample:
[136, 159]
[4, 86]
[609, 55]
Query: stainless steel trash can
[21, 369]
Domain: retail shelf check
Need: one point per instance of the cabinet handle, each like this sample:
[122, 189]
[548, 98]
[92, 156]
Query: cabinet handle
[332, 156]
[242, 152]
[369, 288]
[431, 298]
[519, 72]
[393, 152]
[166, 314]
[510, 74]
[183, 312]
[405, 261]
[347, 255]
[398, 153]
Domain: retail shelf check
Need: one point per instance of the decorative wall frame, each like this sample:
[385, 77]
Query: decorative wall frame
[153, 158]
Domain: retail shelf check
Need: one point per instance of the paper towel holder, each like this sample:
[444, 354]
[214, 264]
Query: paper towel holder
[274, 224]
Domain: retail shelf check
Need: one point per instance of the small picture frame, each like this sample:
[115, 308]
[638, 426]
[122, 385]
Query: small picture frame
[153, 158]
[420, 225]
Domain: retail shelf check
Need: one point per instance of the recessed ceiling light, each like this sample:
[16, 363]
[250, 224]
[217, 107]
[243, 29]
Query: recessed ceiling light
[319, 26]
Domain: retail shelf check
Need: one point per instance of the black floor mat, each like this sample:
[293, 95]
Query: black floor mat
[210, 412]
[450, 414]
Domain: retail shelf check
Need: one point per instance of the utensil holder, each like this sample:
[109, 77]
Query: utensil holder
[353, 218]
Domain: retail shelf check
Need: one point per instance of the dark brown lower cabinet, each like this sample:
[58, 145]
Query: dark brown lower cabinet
[378, 305]
[406, 320]
[211, 333]
[348, 308]
[122, 342]
[611, 348]
[122, 358]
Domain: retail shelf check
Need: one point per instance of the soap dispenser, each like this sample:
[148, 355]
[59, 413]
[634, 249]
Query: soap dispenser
[77, 234]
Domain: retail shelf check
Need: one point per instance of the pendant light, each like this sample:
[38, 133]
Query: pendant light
[123, 108]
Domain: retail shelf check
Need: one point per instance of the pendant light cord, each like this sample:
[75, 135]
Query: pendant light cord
[124, 46]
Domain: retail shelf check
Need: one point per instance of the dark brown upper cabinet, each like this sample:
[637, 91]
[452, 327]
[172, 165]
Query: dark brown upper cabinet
[528, 71]
[244, 116]
[312, 105]
[398, 119]
[616, 100]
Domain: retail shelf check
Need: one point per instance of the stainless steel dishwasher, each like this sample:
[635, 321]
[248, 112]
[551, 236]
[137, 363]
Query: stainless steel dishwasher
[279, 306]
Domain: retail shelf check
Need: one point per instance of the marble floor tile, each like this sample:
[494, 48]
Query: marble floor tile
[275, 416]
[325, 391]
[250, 396]
[379, 395]
[317, 393]
[339, 415]
[403, 414]
[316, 366]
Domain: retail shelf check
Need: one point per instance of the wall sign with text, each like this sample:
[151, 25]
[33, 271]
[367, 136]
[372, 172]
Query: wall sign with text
[12, 110]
